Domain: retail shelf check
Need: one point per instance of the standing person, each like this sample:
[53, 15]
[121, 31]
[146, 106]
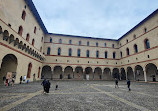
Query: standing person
[20, 79]
[44, 85]
[128, 84]
[4, 80]
[116, 83]
[56, 87]
[24, 78]
[47, 86]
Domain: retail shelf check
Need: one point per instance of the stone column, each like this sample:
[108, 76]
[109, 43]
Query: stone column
[52, 72]
[145, 78]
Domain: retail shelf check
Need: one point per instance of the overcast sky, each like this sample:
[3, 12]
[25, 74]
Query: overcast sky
[93, 18]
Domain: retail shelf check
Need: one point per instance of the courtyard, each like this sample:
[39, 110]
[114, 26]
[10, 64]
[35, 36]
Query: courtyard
[80, 96]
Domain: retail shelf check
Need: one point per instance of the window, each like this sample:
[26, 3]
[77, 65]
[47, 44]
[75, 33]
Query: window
[145, 30]
[27, 37]
[134, 36]
[106, 54]
[60, 41]
[29, 70]
[147, 44]
[127, 51]
[41, 49]
[121, 54]
[50, 40]
[114, 55]
[70, 52]
[97, 44]
[48, 51]
[78, 52]
[135, 48]
[70, 41]
[113, 45]
[97, 54]
[23, 15]
[35, 30]
[20, 31]
[105, 44]
[87, 53]
[79, 42]
[127, 40]
[42, 39]
[59, 51]
[88, 43]
[33, 42]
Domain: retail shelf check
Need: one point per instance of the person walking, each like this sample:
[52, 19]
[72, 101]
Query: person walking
[20, 79]
[116, 83]
[47, 86]
[4, 80]
[13, 80]
[44, 85]
[128, 84]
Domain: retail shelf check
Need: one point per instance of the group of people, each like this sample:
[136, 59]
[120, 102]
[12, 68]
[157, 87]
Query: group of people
[23, 80]
[128, 84]
[8, 81]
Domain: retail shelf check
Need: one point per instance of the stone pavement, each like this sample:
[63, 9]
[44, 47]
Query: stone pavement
[80, 96]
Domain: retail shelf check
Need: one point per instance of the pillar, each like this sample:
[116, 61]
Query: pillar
[145, 77]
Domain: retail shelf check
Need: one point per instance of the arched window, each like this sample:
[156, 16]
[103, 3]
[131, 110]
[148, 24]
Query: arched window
[88, 43]
[50, 40]
[59, 51]
[113, 45]
[127, 51]
[42, 39]
[20, 31]
[39, 70]
[106, 54]
[70, 52]
[105, 44]
[29, 70]
[33, 42]
[60, 41]
[114, 55]
[35, 30]
[79, 42]
[97, 54]
[145, 30]
[23, 15]
[41, 49]
[27, 37]
[78, 52]
[147, 44]
[134, 36]
[127, 40]
[121, 54]
[48, 51]
[70, 41]
[87, 53]
[135, 48]
[97, 44]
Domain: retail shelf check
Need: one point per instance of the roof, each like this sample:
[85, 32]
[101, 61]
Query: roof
[143, 21]
[36, 14]
[81, 36]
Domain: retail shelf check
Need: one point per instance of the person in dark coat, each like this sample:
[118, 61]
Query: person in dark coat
[44, 82]
[56, 87]
[47, 86]
[128, 84]
[116, 83]
[4, 80]
[20, 79]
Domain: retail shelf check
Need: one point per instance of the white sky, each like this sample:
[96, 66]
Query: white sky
[93, 18]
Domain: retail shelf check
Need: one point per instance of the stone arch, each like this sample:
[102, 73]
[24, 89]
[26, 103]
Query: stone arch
[139, 73]
[116, 74]
[57, 72]
[151, 72]
[78, 74]
[123, 74]
[98, 73]
[9, 64]
[107, 74]
[16, 42]
[11, 38]
[130, 74]
[5, 35]
[88, 73]
[46, 72]
[68, 72]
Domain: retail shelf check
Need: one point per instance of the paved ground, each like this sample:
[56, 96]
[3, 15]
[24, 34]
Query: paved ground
[80, 96]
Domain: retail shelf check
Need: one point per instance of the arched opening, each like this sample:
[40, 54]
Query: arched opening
[39, 70]
[11, 38]
[46, 72]
[9, 64]
[1, 30]
[106, 54]
[98, 73]
[68, 72]
[87, 53]
[151, 72]
[16, 42]
[88, 75]
[146, 44]
[20, 45]
[27, 37]
[78, 52]
[97, 54]
[70, 41]
[123, 74]
[5, 35]
[127, 50]
[57, 73]
[116, 74]
[60, 41]
[139, 73]
[107, 74]
[114, 55]
[135, 48]
[59, 51]
[50, 40]
[23, 15]
[70, 52]
[33, 42]
[48, 51]
[78, 74]
[35, 30]
[130, 74]
[20, 30]
[29, 70]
